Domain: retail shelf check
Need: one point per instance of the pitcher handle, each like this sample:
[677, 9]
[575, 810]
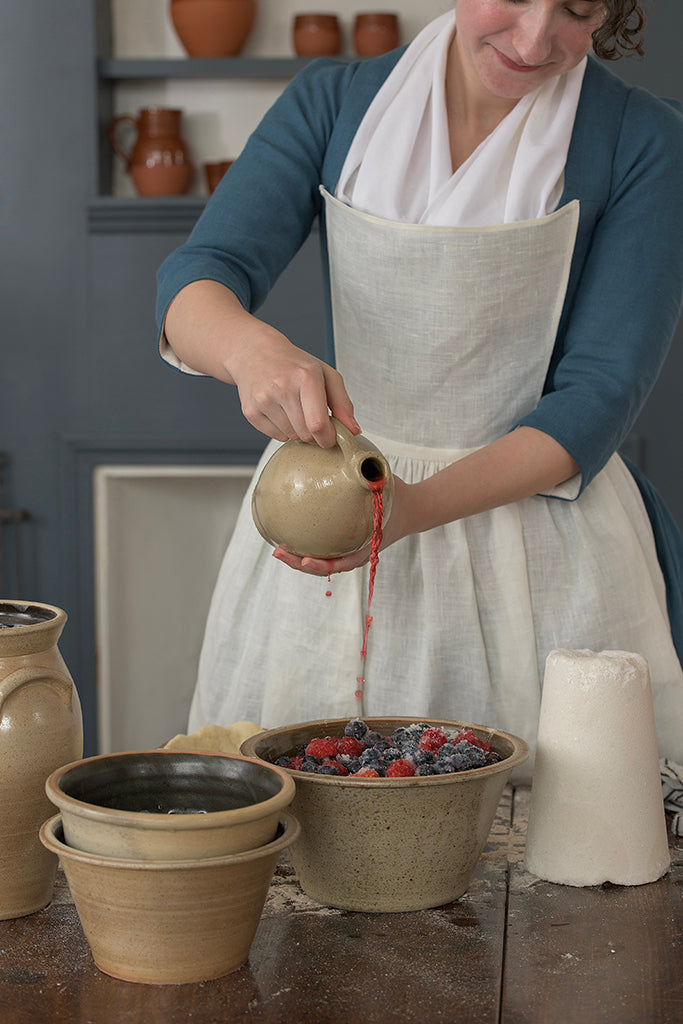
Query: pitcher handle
[60, 681]
[112, 135]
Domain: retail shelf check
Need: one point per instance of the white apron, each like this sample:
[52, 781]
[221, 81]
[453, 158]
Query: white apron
[443, 337]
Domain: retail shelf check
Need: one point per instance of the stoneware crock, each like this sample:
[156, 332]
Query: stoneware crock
[389, 845]
[159, 160]
[319, 501]
[169, 804]
[170, 922]
[40, 727]
[213, 28]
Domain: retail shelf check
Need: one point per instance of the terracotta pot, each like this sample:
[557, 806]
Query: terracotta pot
[159, 160]
[170, 922]
[316, 35]
[41, 727]
[375, 34]
[319, 501]
[215, 171]
[213, 28]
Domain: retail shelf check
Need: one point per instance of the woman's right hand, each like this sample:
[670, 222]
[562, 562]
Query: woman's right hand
[284, 391]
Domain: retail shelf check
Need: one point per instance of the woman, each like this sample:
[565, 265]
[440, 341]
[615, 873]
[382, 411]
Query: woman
[502, 226]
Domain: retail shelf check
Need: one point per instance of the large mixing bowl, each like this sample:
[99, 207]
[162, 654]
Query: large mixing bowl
[168, 804]
[390, 844]
[169, 922]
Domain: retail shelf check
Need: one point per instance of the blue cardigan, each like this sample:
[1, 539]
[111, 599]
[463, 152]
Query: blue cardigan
[624, 165]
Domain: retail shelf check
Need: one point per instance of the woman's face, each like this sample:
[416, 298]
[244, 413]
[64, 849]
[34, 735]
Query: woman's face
[511, 47]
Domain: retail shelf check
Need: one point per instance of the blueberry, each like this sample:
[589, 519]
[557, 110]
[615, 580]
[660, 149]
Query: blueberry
[402, 736]
[391, 754]
[356, 728]
[424, 756]
[445, 751]
[328, 769]
[426, 769]
[375, 739]
[369, 756]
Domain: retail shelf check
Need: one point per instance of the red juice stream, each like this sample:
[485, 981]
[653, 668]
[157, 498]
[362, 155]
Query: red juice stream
[377, 487]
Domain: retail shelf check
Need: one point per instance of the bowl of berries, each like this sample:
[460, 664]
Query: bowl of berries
[394, 813]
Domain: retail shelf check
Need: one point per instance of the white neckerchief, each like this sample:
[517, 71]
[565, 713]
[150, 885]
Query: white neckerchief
[399, 163]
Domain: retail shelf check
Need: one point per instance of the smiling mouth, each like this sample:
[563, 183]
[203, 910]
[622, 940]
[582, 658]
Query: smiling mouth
[513, 66]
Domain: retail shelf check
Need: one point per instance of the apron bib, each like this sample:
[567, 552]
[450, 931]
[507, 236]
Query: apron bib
[443, 336]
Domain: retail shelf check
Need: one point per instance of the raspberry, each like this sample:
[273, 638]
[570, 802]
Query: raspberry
[322, 748]
[349, 745]
[400, 768]
[432, 739]
[470, 737]
[367, 773]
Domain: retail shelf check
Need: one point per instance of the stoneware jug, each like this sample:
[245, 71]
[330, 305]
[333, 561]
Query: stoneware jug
[41, 728]
[319, 501]
[159, 160]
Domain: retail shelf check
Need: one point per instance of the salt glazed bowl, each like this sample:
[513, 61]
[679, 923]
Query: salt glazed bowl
[170, 922]
[169, 804]
[389, 845]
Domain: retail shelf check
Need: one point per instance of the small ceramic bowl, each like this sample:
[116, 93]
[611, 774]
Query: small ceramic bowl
[169, 804]
[389, 844]
[169, 922]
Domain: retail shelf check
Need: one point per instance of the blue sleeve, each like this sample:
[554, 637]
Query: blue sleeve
[274, 182]
[622, 309]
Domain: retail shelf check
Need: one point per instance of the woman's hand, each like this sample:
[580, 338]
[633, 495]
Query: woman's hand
[285, 392]
[396, 527]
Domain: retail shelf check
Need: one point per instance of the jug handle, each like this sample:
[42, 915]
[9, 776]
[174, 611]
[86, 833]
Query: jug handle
[367, 460]
[112, 135]
[59, 681]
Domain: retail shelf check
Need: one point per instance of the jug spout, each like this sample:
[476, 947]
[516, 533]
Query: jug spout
[319, 501]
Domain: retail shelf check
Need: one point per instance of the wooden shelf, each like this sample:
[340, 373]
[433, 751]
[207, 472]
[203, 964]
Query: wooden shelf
[114, 215]
[202, 67]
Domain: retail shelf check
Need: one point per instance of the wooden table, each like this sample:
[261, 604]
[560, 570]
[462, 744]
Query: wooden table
[514, 949]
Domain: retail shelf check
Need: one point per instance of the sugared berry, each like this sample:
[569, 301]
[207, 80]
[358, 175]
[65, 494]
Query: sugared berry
[432, 739]
[356, 728]
[400, 768]
[322, 748]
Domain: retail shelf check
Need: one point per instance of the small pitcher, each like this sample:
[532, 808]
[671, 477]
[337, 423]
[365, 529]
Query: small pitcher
[41, 729]
[159, 159]
[319, 501]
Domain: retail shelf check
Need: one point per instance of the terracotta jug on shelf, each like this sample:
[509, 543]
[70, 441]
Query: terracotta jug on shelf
[213, 28]
[319, 501]
[41, 729]
[159, 160]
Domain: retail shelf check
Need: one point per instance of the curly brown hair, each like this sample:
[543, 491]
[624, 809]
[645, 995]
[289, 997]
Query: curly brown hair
[621, 32]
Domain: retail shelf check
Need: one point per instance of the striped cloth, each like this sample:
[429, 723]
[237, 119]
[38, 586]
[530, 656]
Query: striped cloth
[672, 790]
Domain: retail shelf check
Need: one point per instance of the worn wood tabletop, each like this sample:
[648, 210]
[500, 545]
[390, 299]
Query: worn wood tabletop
[513, 950]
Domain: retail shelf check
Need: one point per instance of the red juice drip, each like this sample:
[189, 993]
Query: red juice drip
[377, 487]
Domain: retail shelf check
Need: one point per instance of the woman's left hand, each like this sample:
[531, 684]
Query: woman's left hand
[391, 532]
